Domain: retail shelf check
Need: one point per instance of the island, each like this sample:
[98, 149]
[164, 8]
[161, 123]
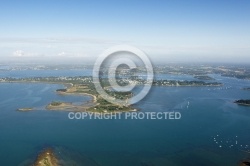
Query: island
[46, 158]
[243, 102]
[245, 163]
[246, 88]
[59, 156]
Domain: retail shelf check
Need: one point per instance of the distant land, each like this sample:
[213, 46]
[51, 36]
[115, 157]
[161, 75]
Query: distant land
[240, 71]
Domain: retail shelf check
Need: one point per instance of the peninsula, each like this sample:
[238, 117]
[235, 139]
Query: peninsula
[97, 104]
[83, 85]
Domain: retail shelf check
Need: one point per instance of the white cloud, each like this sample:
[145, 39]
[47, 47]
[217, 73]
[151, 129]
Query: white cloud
[62, 54]
[18, 53]
[24, 54]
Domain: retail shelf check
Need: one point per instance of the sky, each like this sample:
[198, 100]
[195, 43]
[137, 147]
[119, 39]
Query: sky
[167, 30]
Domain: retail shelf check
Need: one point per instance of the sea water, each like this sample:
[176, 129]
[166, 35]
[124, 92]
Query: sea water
[212, 130]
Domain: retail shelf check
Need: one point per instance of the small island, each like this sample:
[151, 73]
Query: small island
[46, 158]
[246, 88]
[245, 163]
[243, 102]
[203, 77]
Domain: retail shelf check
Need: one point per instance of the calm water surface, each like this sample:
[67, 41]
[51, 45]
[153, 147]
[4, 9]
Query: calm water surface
[212, 131]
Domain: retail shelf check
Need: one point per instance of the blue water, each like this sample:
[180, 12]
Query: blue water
[208, 114]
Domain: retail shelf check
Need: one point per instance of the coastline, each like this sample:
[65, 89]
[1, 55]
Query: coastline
[95, 105]
[67, 106]
[94, 98]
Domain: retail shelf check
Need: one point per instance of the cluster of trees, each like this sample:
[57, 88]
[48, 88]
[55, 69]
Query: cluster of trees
[61, 90]
[56, 103]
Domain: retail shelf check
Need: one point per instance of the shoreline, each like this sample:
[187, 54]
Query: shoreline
[67, 105]
[90, 106]
[94, 98]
